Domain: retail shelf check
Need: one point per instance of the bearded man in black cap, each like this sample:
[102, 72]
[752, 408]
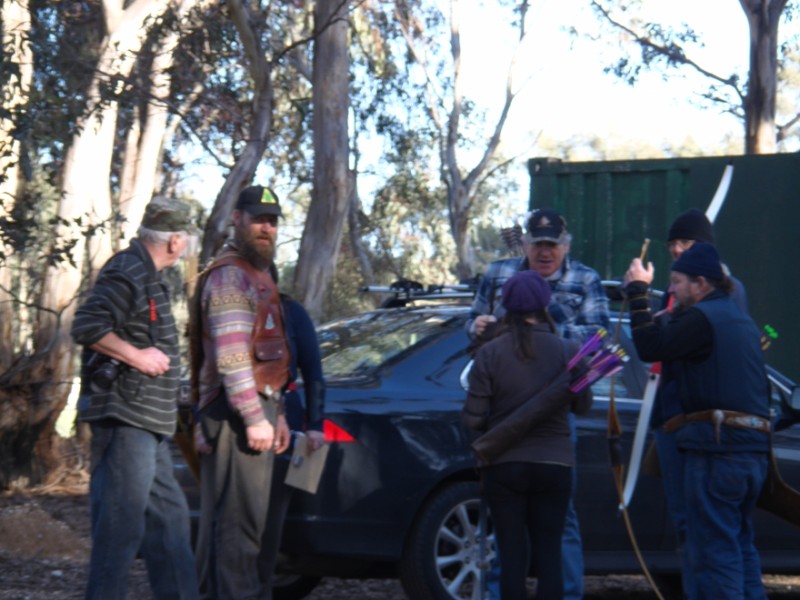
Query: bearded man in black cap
[713, 352]
[240, 367]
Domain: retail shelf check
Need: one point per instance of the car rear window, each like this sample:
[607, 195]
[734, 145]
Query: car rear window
[359, 345]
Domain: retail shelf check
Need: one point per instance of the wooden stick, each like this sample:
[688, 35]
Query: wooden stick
[645, 246]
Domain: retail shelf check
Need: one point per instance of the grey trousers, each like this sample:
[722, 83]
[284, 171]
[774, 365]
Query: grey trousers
[234, 502]
[279, 500]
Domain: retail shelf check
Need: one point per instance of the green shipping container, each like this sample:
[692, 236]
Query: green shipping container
[612, 206]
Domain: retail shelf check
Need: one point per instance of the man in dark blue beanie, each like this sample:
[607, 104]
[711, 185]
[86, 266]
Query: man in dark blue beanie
[712, 350]
[690, 228]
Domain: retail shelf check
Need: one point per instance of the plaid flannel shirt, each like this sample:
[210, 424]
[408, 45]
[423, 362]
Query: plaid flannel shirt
[579, 305]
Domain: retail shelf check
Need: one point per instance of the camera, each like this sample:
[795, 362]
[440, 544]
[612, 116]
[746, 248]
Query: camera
[104, 374]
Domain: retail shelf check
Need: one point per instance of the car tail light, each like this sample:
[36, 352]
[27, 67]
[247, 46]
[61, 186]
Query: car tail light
[334, 433]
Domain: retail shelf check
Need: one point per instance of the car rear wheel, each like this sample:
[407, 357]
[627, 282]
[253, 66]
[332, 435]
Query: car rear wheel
[293, 587]
[442, 558]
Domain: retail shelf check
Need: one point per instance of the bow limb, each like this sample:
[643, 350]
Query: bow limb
[618, 468]
[642, 427]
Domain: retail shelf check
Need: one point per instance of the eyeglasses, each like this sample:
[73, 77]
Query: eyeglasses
[681, 245]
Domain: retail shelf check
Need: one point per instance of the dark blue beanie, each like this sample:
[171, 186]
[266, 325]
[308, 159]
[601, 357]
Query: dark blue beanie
[525, 292]
[700, 260]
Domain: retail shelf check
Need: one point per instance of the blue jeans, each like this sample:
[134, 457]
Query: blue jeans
[572, 551]
[671, 460]
[137, 507]
[571, 546]
[571, 543]
[721, 493]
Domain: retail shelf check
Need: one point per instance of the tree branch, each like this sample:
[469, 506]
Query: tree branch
[673, 53]
[783, 130]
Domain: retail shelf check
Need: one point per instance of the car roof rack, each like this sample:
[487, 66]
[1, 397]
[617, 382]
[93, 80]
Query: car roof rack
[405, 291]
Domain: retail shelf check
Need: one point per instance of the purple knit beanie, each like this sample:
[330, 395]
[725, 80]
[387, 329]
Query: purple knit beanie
[525, 292]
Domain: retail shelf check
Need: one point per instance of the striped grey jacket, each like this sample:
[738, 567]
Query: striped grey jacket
[120, 302]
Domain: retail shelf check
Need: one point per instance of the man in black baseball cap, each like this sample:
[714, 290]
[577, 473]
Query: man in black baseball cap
[579, 305]
[240, 365]
[255, 225]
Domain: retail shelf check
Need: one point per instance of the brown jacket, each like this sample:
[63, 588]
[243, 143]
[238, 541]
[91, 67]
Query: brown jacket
[522, 408]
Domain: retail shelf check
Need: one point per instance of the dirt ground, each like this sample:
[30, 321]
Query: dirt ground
[45, 542]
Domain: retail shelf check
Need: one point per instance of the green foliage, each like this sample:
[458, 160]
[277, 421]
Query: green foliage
[65, 45]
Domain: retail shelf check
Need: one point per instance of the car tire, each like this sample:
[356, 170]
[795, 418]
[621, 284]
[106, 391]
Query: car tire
[293, 587]
[441, 559]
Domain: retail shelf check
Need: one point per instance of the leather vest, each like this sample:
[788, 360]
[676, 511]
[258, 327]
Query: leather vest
[269, 350]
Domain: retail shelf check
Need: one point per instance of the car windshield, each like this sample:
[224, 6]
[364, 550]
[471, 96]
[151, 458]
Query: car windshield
[361, 344]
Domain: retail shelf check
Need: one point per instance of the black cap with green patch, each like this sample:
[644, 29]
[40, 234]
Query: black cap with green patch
[259, 200]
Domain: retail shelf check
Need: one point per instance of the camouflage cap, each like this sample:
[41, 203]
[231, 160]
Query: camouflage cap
[169, 215]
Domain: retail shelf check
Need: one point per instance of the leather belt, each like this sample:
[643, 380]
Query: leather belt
[719, 417]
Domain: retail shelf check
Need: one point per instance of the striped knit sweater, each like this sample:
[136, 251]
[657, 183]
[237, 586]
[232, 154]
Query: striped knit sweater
[120, 303]
[229, 305]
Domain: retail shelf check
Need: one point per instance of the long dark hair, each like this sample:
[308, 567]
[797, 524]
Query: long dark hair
[725, 284]
[522, 340]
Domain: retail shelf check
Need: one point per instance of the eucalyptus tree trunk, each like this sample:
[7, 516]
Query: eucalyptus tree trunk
[354, 231]
[331, 195]
[16, 23]
[85, 195]
[763, 17]
[145, 145]
[20, 417]
[87, 173]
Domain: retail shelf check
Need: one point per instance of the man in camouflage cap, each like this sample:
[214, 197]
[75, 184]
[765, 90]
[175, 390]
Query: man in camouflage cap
[129, 397]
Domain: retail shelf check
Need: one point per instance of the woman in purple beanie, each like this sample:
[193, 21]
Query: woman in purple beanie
[528, 483]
